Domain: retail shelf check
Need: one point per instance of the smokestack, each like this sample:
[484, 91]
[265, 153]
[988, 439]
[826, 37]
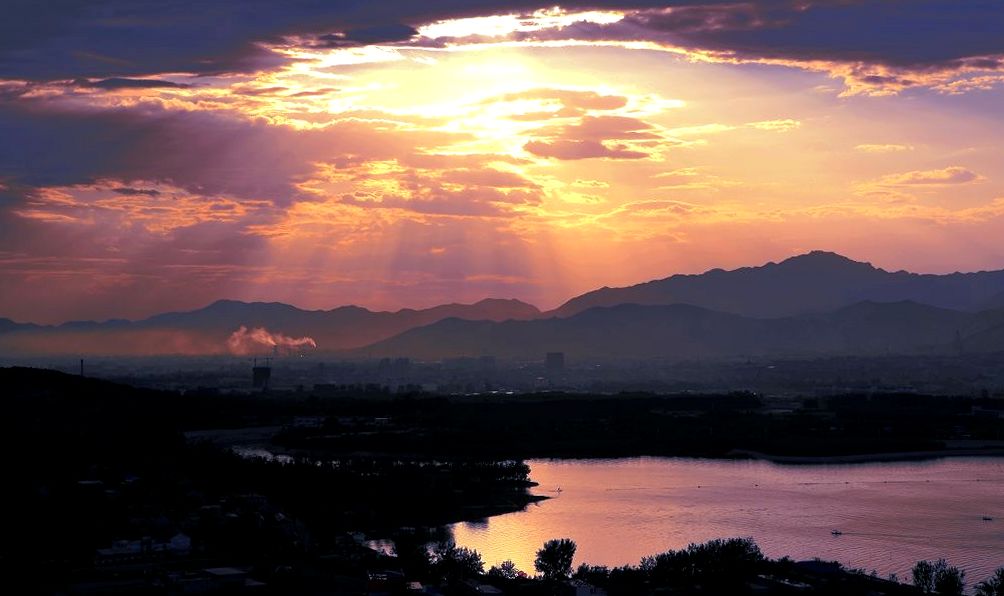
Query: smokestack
[81, 367]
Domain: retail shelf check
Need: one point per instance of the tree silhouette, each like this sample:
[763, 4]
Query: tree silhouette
[923, 576]
[993, 586]
[938, 578]
[454, 563]
[554, 560]
[719, 562]
[950, 582]
[504, 570]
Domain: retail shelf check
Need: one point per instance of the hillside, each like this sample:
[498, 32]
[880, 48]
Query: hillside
[688, 332]
[207, 330]
[815, 282]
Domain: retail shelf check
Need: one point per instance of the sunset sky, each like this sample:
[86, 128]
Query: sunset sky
[161, 155]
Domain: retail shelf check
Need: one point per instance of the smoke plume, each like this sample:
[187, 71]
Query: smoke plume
[246, 341]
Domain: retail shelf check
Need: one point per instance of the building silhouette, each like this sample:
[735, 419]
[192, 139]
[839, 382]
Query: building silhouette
[261, 375]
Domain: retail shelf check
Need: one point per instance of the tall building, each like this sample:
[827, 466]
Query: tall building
[261, 375]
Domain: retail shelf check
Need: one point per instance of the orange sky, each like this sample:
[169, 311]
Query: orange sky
[498, 157]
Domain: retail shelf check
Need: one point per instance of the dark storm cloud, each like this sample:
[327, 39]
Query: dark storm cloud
[367, 35]
[66, 39]
[133, 192]
[911, 33]
[202, 152]
[120, 83]
[915, 34]
[119, 44]
[206, 153]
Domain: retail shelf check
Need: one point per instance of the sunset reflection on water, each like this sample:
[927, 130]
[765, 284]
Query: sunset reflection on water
[891, 514]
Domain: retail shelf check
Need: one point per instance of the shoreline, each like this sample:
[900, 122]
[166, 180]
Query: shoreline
[864, 458]
[258, 438]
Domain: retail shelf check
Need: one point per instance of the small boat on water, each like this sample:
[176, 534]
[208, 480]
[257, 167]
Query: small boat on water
[987, 518]
[836, 532]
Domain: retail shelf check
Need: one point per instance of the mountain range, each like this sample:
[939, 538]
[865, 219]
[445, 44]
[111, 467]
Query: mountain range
[680, 331]
[206, 331]
[812, 304]
[811, 283]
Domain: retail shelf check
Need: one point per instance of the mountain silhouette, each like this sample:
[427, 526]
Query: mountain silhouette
[815, 282]
[685, 332]
[7, 325]
[815, 303]
[205, 331]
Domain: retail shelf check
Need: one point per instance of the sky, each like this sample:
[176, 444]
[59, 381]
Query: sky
[160, 155]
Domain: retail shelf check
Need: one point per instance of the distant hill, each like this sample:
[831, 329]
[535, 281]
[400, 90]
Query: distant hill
[815, 303]
[205, 331]
[996, 301]
[815, 282]
[690, 332]
[338, 328]
[7, 325]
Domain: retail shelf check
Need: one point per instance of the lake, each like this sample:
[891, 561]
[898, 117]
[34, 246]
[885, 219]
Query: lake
[890, 514]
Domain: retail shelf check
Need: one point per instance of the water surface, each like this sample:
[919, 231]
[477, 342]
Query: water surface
[891, 514]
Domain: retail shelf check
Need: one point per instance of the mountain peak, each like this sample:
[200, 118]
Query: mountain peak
[817, 254]
[513, 303]
[226, 302]
[813, 282]
[823, 259]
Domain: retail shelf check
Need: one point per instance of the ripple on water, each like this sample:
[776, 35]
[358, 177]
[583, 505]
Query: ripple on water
[892, 514]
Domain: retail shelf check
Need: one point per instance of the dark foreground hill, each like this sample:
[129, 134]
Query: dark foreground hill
[105, 496]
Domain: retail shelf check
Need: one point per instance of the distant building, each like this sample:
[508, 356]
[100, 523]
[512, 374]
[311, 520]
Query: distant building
[227, 576]
[581, 588]
[261, 375]
[309, 421]
[143, 550]
[396, 368]
[554, 362]
[215, 580]
[473, 587]
[988, 412]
